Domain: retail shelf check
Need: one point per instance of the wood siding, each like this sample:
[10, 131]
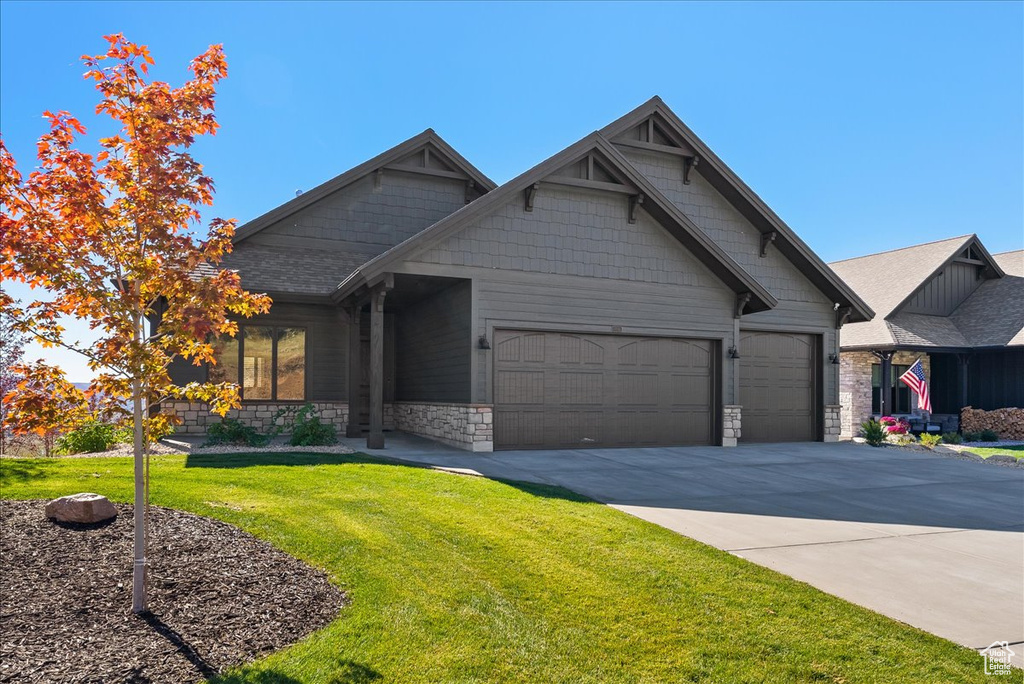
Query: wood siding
[996, 380]
[434, 344]
[946, 291]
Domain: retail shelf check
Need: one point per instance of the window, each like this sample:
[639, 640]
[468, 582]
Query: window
[900, 392]
[268, 363]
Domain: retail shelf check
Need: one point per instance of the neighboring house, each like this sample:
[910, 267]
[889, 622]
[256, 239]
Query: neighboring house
[628, 291]
[951, 304]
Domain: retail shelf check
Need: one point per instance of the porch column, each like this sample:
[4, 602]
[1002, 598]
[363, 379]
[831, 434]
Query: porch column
[961, 366]
[886, 382]
[355, 372]
[375, 440]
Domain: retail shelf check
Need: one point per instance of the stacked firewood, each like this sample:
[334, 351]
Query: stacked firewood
[1008, 422]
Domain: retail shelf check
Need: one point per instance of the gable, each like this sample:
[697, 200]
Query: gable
[577, 232]
[425, 155]
[724, 224]
[369, 215]
[653, 127]
[945, 291]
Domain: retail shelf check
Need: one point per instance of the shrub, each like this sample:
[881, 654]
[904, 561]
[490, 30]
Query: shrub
[931, 441]
[234, 431]
[988, 436]
[952, 438]
[873, 432]
[309, 431]
[982, 436]
[91, 437]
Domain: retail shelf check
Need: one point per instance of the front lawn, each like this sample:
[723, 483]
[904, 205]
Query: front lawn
[1015, 451]
[463, 579]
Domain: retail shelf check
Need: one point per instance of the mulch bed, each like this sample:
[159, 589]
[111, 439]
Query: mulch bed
[218, 597]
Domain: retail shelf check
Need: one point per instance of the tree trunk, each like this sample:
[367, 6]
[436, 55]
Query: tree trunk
[139, 566]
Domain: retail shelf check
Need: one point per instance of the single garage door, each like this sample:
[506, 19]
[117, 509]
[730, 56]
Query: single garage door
[778, 388]
[556, 390]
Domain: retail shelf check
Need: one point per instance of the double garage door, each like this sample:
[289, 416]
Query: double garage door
[561, 390]
[555, 390]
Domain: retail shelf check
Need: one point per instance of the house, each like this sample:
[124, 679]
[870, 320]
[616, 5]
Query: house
[629, 291]
[951, 304]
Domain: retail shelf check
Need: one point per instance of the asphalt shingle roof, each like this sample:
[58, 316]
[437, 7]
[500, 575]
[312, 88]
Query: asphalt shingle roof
[993, 315]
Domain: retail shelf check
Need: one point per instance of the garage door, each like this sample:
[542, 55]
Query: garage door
[555, 390]
[777, 387]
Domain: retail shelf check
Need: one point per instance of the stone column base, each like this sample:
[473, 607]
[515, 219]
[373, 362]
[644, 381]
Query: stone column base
[731, 423]
[833, 422]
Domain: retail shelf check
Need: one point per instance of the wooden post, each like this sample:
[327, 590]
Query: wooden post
[886, 400]
[375, 440]
[355, 372]
[962, 361]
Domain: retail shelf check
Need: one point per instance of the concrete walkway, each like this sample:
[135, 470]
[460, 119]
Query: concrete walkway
[937, 543]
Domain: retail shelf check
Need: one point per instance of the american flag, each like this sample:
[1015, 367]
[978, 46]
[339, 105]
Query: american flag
[915, 380]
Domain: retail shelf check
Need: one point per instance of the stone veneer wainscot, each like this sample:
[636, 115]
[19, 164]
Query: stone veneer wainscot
[466, 426]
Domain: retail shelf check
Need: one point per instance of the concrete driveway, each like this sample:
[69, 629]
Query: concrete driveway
[937, 543]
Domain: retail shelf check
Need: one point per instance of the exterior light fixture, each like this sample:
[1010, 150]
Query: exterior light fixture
[482, 343]
[733, 353]
[834, 358]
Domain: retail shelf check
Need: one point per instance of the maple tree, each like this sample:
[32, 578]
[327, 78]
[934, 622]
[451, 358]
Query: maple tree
[110, 238]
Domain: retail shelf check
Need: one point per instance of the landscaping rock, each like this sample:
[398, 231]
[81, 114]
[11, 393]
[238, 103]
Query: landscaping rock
[970, 456]
[1002, 458]
[85, 508]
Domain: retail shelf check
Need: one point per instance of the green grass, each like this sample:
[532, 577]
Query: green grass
[985, 452]
[463, 579]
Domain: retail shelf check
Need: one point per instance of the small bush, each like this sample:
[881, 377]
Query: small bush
[234, 431]
[309, 431]
[952, 438]
[930, 441]
[983, 436]
[873, 432]
[988, 436]
[92, 437]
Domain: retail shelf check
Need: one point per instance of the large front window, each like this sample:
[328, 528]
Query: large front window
[900, 392]
[267, 362]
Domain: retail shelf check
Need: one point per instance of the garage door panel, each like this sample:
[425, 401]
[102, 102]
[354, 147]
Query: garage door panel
[520, 387]
[581, 388]
[778, 387]
[602, 390]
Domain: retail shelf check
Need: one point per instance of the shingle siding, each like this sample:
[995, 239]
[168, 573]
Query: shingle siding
[576, 233]
[371, 218]
[713, 214]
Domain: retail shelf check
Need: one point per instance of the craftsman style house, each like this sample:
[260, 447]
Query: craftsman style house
[628, 291]
[949, 303]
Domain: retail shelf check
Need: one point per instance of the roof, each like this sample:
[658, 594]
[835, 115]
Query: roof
[655, 203]
[410, 146]
[1012, 263]
[752, 206]
[993, 315]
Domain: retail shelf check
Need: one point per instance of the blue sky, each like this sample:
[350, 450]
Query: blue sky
[866, 126]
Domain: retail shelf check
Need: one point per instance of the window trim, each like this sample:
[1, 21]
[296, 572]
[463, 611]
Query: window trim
[240, 337]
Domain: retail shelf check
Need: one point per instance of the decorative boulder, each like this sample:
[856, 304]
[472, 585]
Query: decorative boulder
[1005, 459]
[81, 508]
